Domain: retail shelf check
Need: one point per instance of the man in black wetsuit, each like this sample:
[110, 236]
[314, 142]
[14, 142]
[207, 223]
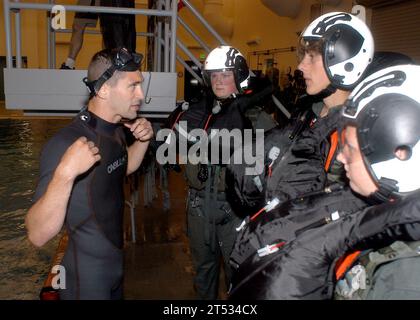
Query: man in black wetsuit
[82, 170]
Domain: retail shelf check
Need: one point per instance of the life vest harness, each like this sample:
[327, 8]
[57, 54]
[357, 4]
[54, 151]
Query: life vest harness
[355, 275]
[274, 203]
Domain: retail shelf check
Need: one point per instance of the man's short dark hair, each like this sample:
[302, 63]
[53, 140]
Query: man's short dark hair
[100, 62]
[108, 65]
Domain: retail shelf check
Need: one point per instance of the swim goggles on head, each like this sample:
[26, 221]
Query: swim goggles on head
[122, 61]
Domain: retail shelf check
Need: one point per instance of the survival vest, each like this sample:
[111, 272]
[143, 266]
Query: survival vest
[297, 159]
[268, 230]
[357, 283]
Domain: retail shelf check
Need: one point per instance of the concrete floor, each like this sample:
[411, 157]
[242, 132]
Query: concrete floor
[158, 265]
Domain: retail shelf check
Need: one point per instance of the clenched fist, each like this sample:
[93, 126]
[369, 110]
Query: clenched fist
[141, 128]
[78, 158]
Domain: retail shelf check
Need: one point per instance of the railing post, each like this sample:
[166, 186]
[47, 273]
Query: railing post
[166, 47]
[49, 38]
[6, 9]
[156, 45]
[52, 34]
[18, 38]
[159, 36]
[173, 37]
[53, 51]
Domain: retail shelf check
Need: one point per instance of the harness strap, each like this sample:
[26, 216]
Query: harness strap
[358, 284]
[333, 149]
[396, 250]
[177, 119]
[345, 263]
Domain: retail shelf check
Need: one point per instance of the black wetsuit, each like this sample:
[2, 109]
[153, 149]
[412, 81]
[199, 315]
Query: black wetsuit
[94, 259]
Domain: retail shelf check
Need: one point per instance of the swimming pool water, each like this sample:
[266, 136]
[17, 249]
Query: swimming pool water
[23, 267]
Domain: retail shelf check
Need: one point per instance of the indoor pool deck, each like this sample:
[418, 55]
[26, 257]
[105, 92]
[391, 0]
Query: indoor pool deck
[158, 266]
[7, 114]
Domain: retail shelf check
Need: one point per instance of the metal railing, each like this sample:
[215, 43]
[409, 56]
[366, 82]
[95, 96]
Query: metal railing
[204, 22]
[165, 38]
[15, 6]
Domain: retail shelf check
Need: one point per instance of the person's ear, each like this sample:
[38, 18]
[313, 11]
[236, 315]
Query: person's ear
[104, 91]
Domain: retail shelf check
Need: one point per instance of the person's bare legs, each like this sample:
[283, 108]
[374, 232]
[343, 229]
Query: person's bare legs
[76, 40]
[76, 43]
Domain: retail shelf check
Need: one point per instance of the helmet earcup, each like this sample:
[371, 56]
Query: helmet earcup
[342, 45]
[385, 108]
[347, 47]
[241, 72]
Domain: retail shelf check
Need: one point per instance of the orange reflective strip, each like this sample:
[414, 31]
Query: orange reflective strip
[258, 213]
[333, 148]
[177, 118]
[345, 263]
[207, 123]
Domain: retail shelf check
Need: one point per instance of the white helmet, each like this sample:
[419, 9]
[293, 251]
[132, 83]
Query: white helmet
[225, 58]
[347, 47]
[385, 107]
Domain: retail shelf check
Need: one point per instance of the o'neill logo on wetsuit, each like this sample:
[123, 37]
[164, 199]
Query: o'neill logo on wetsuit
[116, 164]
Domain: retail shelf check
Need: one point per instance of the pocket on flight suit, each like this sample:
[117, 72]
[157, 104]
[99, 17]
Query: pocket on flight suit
[195, 218]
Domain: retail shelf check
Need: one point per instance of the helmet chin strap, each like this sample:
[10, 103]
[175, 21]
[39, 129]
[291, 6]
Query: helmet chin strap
[220, 102]
[387, 191]
[327, 92]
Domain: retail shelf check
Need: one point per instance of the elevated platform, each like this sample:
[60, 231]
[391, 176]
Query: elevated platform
[48, 92]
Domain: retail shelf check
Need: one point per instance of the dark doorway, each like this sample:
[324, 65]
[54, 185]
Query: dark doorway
[192, 88]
